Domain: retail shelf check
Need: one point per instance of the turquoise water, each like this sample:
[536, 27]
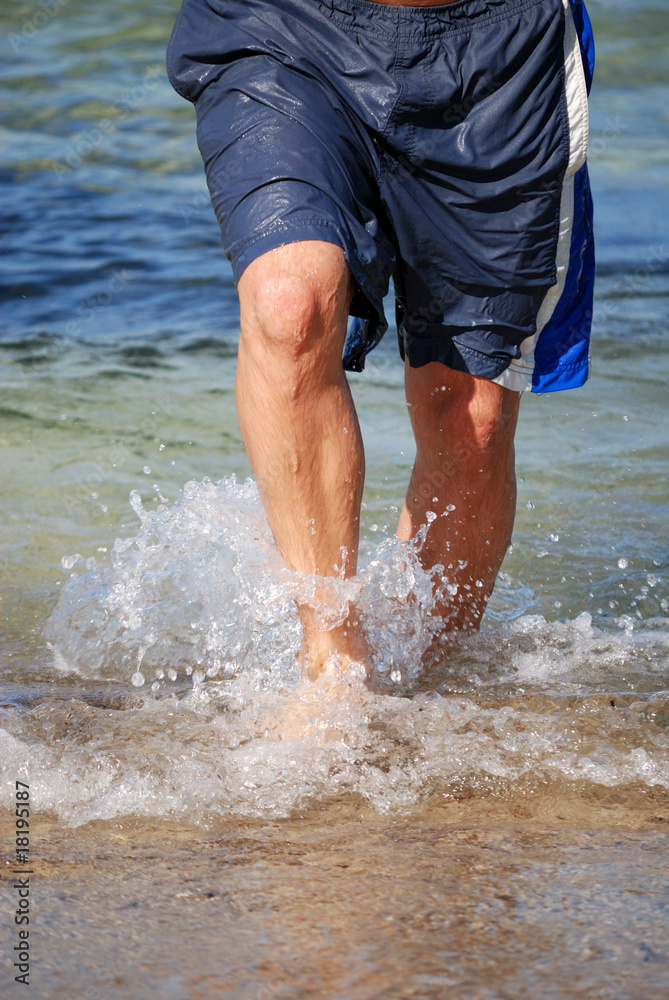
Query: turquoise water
[147, 644]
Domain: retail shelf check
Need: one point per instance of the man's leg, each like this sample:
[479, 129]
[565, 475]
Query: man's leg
[464, 428]
[298, 421]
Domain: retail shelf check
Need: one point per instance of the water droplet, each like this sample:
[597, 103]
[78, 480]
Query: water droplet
[198, 676]
[479, 583]
[146, 470]
[161, 448]
[172, 674]
[67, 562]
[555, 538]
[529, 505]
[521, 479]
[430, 516]
[345, 430]
[137, 679]
[63, 416]
[435, 499]
[623, 563]
[625, 417]
[395, 676]
[450, 506]
[652, 580]
[155, 686]
[373, 527]
[94, 496]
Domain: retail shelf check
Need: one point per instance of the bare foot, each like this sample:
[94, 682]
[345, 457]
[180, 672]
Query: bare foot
[341, 649]
[323, 710]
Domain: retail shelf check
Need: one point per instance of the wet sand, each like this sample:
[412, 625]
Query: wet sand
[466, 901]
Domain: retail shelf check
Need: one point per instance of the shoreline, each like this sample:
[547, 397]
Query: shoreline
[344, 902]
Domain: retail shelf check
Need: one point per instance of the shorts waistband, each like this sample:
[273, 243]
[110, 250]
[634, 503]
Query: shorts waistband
[386, 19]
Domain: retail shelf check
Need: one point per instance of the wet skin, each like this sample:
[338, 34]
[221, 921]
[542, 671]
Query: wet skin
[304, 444]
[302, 436]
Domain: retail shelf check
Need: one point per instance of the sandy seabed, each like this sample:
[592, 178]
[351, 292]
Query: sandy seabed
[467, 900]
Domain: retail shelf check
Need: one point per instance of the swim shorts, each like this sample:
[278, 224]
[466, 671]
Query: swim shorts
[444, 147]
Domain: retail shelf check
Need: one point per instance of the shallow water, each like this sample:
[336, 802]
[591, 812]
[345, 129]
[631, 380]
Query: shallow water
[148, 635]
[344, 903]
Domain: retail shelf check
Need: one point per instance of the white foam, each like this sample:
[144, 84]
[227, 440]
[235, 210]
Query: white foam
[194, 619]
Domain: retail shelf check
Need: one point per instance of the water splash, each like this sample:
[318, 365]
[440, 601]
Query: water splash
[194, 619]
[201, 587]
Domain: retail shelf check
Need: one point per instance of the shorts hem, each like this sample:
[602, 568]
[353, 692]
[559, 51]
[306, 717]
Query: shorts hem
[365, 304]
[522, 378]
[458, 357]
[512, 374]
[244, 252]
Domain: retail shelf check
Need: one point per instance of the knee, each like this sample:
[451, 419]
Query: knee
[288, 316]
[481, 435]
[290, 307]
[469, 422]
[491, 423]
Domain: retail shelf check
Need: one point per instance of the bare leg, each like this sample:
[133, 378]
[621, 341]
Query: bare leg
[464, 429]
[299, 424]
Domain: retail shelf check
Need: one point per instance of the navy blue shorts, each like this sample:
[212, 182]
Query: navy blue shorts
[441, 146]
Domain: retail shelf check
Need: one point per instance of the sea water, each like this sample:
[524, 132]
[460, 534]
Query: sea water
[149, 633]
